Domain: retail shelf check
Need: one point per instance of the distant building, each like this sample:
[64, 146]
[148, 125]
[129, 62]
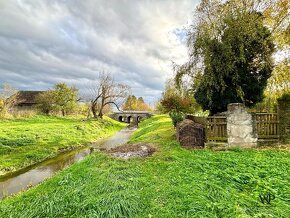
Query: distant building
[26, 100]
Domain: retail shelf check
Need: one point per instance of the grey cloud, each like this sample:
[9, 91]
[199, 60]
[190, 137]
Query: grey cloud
[50, 41]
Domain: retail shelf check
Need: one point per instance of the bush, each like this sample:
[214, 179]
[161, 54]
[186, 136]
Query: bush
[176, 117]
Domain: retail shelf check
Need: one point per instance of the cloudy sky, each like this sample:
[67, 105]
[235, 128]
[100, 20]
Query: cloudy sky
[45, 42]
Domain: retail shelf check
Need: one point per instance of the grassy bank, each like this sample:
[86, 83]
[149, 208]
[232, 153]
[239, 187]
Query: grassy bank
[174, 182]
[26, 141]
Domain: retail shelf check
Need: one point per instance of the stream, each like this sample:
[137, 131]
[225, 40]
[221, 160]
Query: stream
[30, 176]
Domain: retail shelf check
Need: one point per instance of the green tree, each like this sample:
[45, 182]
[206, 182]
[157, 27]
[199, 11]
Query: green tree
[177, 103]
[231, 49]
[46, 102]
[133, 103]
[140, 100]
[128, 104]
[65, 98]
[277, 17]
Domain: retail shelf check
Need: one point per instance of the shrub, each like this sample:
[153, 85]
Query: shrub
[176, 117]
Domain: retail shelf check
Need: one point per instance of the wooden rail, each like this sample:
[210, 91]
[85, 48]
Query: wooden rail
[216, 129]
[267, 126]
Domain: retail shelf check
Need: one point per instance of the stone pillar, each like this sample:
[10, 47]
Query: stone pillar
[240, 126]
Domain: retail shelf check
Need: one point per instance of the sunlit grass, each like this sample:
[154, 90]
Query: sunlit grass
[28, 140]
[174, 182]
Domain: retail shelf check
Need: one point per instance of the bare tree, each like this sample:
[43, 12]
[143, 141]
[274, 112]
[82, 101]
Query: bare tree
[8, 97]
[106, 91]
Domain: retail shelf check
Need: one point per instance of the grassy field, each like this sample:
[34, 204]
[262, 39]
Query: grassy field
[26, 141]
[174, 182]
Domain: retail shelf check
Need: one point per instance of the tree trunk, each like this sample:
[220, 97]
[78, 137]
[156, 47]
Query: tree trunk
[63, 112]
[89, 113]
[101, 108]
[94, 111]
[47, 112]
[101, 113]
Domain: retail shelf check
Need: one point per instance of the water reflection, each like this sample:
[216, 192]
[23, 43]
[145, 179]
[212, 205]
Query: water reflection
[22, 180]
[118, 139]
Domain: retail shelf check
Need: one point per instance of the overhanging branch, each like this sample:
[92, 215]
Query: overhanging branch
[111, 102]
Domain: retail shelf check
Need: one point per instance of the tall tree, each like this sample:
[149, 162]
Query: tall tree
[135, 104]
[46, 102]
[277, 17]
[106, 91]
[232, 51]
[65, 97]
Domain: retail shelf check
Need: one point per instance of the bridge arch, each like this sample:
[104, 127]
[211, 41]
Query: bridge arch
[130, 116]
[139, 118]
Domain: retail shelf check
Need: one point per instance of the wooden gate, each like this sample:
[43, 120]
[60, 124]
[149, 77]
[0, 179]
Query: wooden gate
[267, 126]
[216, 129]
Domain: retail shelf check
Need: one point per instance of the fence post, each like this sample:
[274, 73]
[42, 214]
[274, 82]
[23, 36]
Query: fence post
[240, 126]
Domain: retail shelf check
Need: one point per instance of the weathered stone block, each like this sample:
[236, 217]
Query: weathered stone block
[240, 126]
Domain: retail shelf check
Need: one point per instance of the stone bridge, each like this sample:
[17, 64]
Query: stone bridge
[131, 116]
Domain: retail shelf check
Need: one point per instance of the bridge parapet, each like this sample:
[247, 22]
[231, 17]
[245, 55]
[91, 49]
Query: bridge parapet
[131, 116]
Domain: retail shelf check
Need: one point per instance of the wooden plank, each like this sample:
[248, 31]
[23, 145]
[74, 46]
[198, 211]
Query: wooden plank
[267, 125]
[216, 128]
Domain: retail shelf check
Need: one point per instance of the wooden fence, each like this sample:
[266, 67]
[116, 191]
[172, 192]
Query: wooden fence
[216, 129]
[267, 126]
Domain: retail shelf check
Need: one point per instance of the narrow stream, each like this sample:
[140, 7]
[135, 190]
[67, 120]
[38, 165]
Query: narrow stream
[33, 175]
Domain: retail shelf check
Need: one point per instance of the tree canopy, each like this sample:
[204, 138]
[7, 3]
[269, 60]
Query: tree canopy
[62, 98]
[230, 54]
[133, 103]
[277, 18]
[65, 97]
[173, 100]
[105, 91]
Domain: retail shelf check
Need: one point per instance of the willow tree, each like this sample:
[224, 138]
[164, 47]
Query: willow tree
[230, 52]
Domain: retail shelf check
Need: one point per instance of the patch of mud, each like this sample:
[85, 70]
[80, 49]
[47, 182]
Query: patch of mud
[132, 150]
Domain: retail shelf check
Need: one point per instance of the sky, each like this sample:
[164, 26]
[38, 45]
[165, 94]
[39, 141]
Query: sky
[46, 42]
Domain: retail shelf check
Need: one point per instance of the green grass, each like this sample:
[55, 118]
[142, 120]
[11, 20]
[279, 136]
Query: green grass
[174, 182]
[26, 141]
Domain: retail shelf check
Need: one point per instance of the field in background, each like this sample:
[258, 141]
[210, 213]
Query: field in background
[174, 182]
[29, 140]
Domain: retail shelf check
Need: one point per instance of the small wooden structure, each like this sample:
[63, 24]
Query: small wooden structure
[26, 100]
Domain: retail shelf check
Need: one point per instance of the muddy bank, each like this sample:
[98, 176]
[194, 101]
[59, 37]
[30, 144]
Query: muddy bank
[132, 150]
